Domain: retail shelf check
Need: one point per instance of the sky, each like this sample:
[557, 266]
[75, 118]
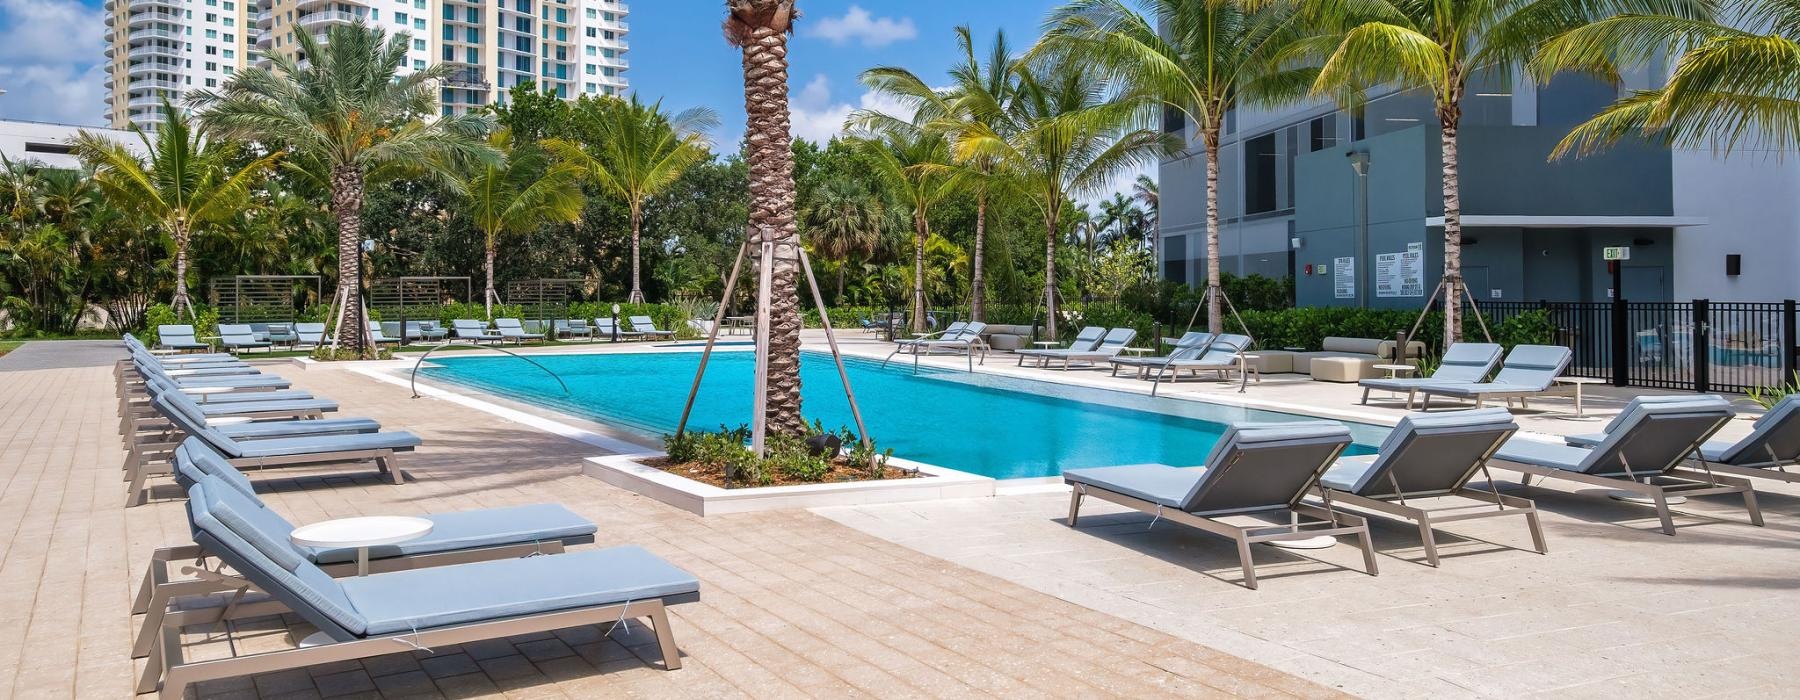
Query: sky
[51, 55]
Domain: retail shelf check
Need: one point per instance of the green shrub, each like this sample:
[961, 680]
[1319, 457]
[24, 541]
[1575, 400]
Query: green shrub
[728, 449]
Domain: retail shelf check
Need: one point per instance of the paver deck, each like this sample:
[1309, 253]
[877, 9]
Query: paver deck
[794, 604]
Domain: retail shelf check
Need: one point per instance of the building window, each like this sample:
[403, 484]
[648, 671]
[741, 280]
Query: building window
[419, 23]
[1260, 194]
[591, 32]
[1174, 121]
[590, 86]
[418, 44]
[211, 17]
[418, 64]
[590, 50]
[212, 33]
[51, 148]
[212, 82]
[592, 69]
[230, 70]
[211, 65]
[229, 37]
[211, 50]
[591, 14]
[230, 53]
[401, 17]
[229, 22]
[1323, 133]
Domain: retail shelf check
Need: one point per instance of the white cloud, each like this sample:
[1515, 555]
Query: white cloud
[816, 117]
[51, 61]
[860, 26]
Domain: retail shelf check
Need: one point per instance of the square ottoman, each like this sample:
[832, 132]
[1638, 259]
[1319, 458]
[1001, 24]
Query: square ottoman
[1344, 369]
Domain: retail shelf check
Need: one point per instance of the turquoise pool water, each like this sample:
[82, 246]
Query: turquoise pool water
[1000, 427]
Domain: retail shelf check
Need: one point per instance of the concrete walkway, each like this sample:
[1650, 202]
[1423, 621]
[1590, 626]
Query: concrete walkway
[57, 354]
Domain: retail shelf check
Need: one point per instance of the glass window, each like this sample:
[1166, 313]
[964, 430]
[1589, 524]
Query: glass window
[418, 44]
[230, 53]
[590, 32]
[1174, 120]
[229, 22]
[1259, 175]
[419, 23]
[212, 33]
[229, 37]
[230, 70]
[1323, 133]
[400, 17]
[591, 14]
[1399, 111]
[592, 69]
[418, 65]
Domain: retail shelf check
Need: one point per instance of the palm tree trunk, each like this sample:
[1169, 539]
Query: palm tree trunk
[1215, 319]
[977, 281]
[637, 227]
[181, 300]
[770, 154]
[1050, 277]
[487, 293]
[346, 203]
[918, 303]
[1453, 282]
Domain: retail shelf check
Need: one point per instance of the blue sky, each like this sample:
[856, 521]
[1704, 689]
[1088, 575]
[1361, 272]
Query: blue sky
[50, 54]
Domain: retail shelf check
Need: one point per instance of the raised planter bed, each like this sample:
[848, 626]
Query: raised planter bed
[631, 472]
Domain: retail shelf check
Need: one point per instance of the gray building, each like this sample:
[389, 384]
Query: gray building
[1351, 205]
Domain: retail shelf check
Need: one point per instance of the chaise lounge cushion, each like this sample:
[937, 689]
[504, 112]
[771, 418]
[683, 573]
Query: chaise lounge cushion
[1157, 483]
[1002, 336]
[424, 598]
[472, 529]
[398, 440]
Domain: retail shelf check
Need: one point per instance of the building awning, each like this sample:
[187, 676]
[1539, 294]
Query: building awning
[1525, 221]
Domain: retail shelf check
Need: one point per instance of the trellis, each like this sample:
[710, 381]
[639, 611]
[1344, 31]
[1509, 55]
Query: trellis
[263, 298]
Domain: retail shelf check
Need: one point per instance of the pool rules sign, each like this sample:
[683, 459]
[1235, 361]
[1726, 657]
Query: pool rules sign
[1400, 274]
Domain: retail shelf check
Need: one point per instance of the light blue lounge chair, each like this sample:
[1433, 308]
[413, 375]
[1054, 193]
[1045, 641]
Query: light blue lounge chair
[646, 326]
[573, 328]
[1085, 341]
[1188, 346]
[1429, 458]
[605, 328]
[381, 614]
[1529, 370]
[1463, 363]
[959, 338]
[238, 337]
[137, 347]
[309, 334]
[473, 331]
[378, 336]
[1109, 347]
[510, 329]
[1222, 354]
[1641, 457]
[1256, 469]
[1772, 445]
[179, 337]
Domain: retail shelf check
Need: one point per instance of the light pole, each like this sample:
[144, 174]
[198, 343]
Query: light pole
[615, 323]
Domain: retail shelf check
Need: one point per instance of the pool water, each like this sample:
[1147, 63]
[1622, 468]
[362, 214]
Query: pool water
[1000, 427]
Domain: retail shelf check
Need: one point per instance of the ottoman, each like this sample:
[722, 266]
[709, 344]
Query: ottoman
[1344, 369]
[1273, 361]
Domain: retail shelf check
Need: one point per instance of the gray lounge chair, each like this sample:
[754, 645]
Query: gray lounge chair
[510, 329]
[605, 328]
[959, 338]
[380, 337]
[1085, 341]
[645, 326]
[179, 337]
[573, 328]
[1772, 446]
[137, 347]
[1256, 469]
[1188, 346]
[1223, 355]
[1428, 458]
[1109, 347]
[474, 331]
[1642, 458]
[1463, 363]
[309, 334]
[380, 614]
[456, 537]
[1529, 370]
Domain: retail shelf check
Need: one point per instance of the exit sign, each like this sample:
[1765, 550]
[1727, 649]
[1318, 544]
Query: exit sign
[1616, 253]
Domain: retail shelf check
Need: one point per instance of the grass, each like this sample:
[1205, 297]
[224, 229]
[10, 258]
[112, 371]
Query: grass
[7, 346]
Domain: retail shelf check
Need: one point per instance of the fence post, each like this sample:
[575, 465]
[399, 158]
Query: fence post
[1621, 347]
[1702, 346]
[1788, 341]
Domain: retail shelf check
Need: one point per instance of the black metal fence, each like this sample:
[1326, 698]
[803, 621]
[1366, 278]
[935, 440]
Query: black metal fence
[1697, 345]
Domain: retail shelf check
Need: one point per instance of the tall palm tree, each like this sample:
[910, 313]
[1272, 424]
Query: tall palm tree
[1201, 57]
[518, 193]
[844, 222]
[189, 183]
[354, 119]
[635, 152]
[1436, 47]
[1065, 134]
[1147, 193]
[760, 28]
[979, 93]
[913, 162]
[1729, 84]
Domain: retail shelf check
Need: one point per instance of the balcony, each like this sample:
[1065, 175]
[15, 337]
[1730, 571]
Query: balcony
[467, 79]
[156, 70]
[170, 4]
[156, 50]
[153, 33]
[147, 101]
[326, 17]
[142, 84]
[140, 19]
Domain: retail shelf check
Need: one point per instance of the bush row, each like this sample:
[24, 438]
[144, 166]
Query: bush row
[206, 319]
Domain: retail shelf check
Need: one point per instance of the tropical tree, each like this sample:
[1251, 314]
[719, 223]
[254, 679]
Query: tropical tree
[1728, 86]
[190, 182]
[519, 192]
[352, 119]
[1121, 219]
[978, 94]
[636, 151]
[843, 222]
[1066, 133]
[1201, 57]
[914, 163]
[1147, 193]
[760, 28]
[1437, 47]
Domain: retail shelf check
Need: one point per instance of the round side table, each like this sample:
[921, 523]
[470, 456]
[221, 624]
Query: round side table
[1578, 383]
[205, 392]
[361, 533]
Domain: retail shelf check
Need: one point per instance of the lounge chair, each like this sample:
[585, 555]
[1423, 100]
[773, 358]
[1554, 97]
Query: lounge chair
[428, 331]
[1189, 345]
[645, 326]
[954, 329]
[380, 614]
[574, 328]
[137, 347]
[1085, 341]
[1772, 446]
[605, 328]
[456, 537]
[1223, 354]
[1109, 347]
[237, 337]
[1641, 458]
[1256, 469]
[474, 331]
[179, 337]
[310, 334]
[280, 333]
[1430, 457]
[379, 337]
[510, 329]
[1529, 370]
[1463, 363]
[959, 338]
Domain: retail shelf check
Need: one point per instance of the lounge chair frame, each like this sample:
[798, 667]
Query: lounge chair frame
[1690, 482]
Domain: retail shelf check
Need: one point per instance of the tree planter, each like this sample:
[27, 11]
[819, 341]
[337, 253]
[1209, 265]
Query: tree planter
[633, 473]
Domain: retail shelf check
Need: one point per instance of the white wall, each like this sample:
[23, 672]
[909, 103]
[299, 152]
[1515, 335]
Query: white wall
[1751, 202]
[17, 139]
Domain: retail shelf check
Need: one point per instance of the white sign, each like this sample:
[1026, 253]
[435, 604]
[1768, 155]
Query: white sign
[1400, 274]
[1495, 293]
[1415, 247]
[1343, 278]
[1616, 253]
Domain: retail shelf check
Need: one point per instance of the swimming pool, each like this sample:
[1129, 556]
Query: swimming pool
[1001, 427]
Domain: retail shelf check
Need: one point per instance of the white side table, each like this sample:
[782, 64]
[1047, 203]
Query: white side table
[205, 392]
[1136, 352]
[1397, 371]
[361, 533]
[1046, 343]
[1578, 383]
[228, 420]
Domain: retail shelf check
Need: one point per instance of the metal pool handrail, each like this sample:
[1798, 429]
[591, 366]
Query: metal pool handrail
[413, 380]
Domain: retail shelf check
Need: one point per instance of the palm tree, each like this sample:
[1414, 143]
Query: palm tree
[1436, 47]
[1729, 85]
[518, 193]
[844, 221]
[1146, 192]
[354, 119]
[189, 183]
[1202, 57]
[1064, 134]
[760, 29]
[638, 152]
[979, 93]
[914, 163]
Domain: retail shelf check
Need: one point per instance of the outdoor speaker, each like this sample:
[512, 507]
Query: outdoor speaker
[1734, 264]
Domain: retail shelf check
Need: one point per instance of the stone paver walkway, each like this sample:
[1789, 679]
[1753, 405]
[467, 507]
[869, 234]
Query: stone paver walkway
[793, 604]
